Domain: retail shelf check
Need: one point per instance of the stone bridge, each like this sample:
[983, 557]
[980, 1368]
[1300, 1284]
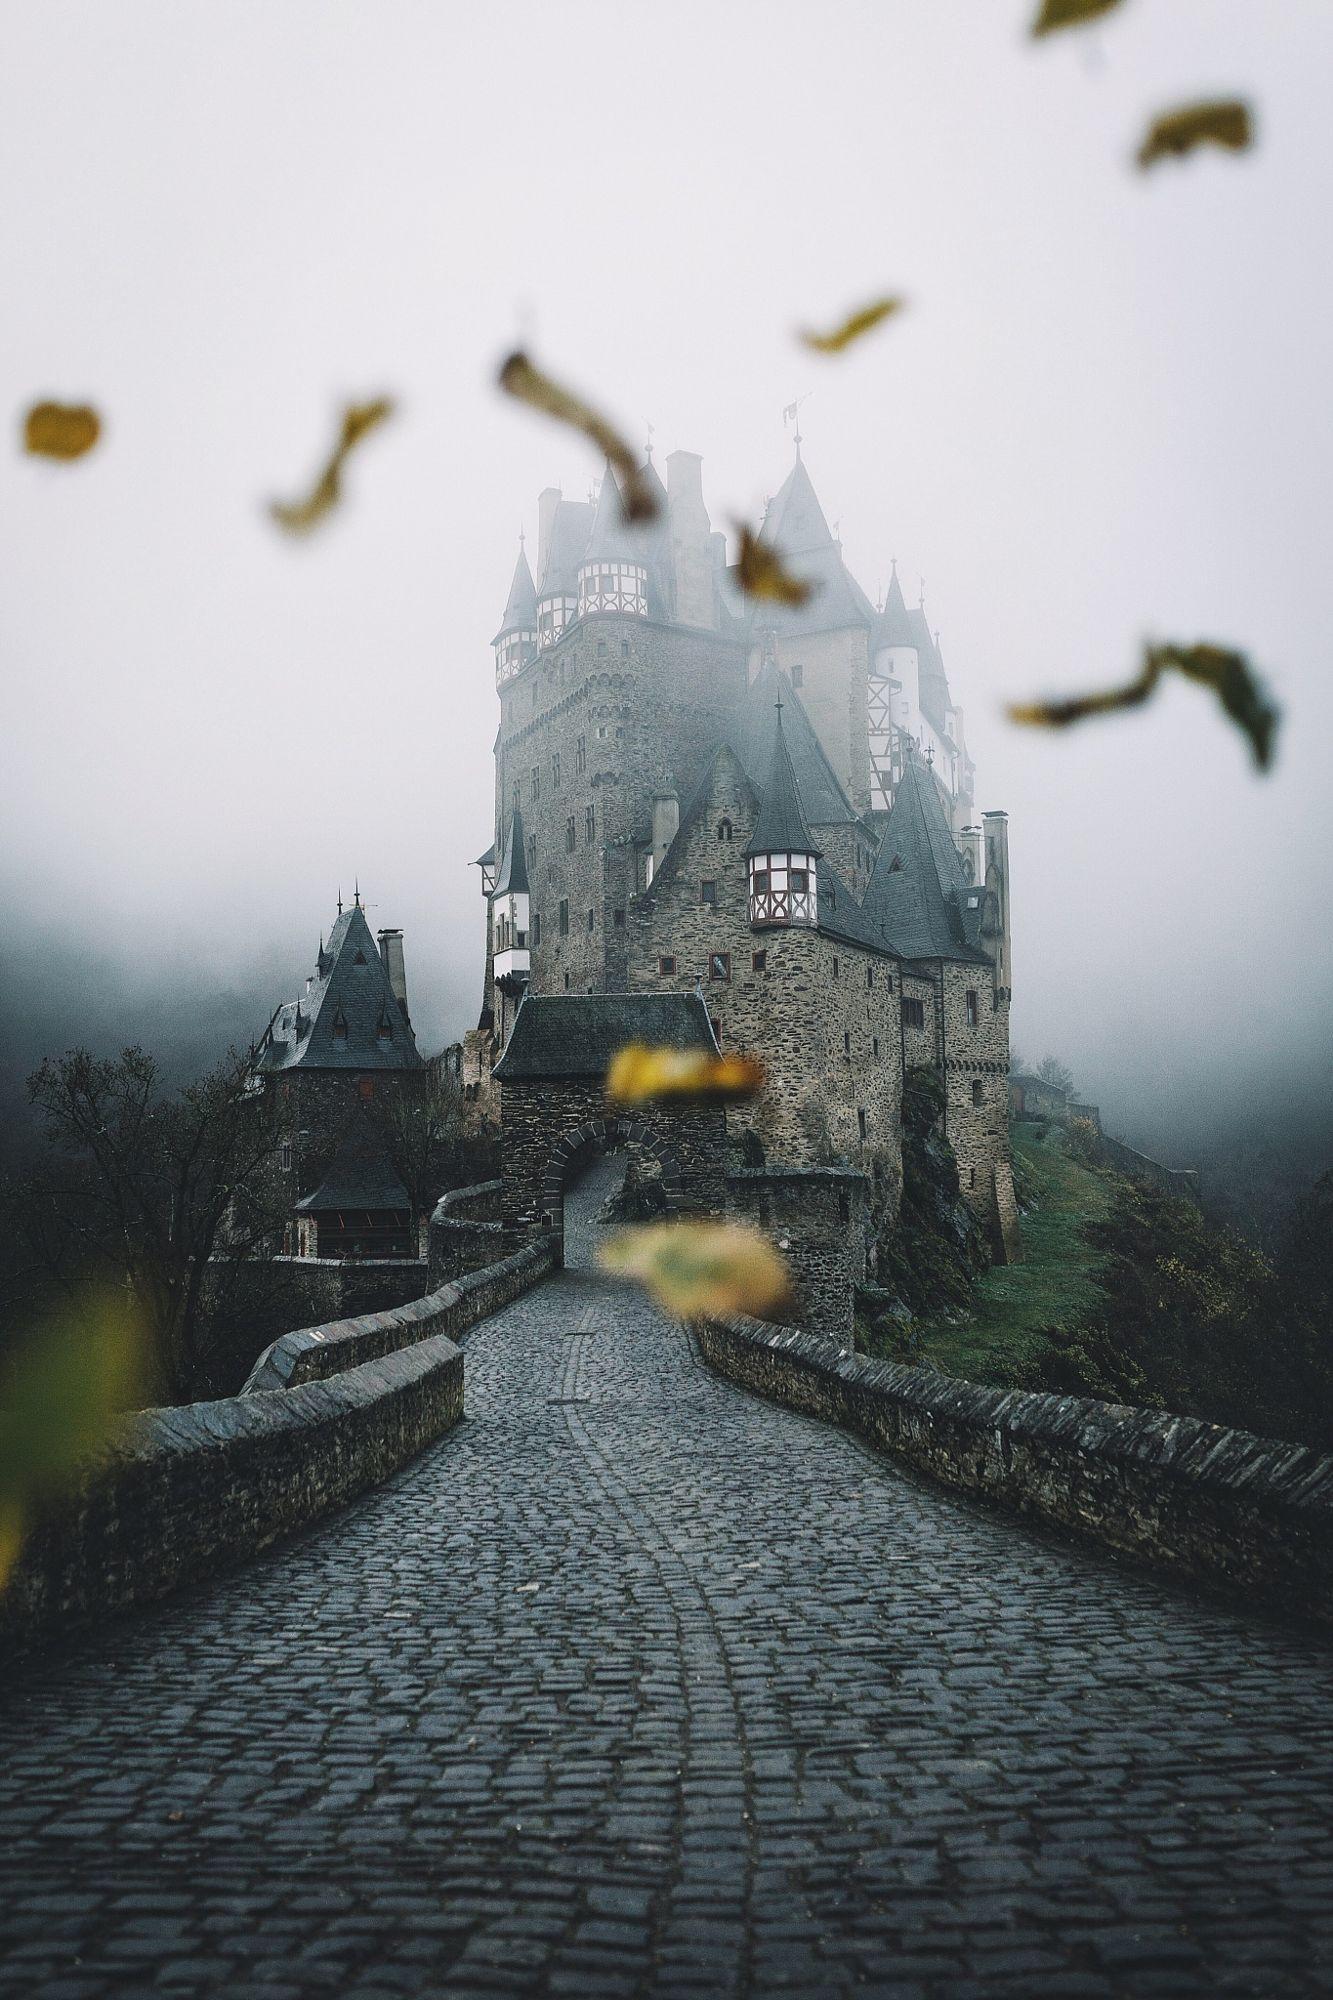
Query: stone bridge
[637, 1684]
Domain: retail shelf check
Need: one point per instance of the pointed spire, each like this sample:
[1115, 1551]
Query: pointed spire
[611, 535]
[896, 623]
[795, 521]
[782, 827]
[520, 613]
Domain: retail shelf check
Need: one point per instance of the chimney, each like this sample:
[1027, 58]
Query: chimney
[692, 559]
[997, 877]
[391, 952]
[666, 821]
[547, 502]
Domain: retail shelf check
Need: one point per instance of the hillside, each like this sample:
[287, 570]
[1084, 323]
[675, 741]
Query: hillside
[1001, 1334]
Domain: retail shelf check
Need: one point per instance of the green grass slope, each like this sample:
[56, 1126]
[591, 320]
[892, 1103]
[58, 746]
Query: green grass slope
[1015, 1301]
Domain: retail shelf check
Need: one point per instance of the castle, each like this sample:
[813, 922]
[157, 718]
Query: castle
[724, 821]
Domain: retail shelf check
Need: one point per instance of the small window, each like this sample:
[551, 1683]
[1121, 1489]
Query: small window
[624, 649]
[618, 919]
[724, 829]
[971, 1177]
[719, 965]
[532, 854]
[836, 967]
[913, 1012]
[978, 1093]
[601, 648]
[589, 822]
[555, 772]
[708, 894]
[759, 882]
[384, 1028]
[798, 677]
[800, 881]
[581, 754]
[971, 1010]
[874, 1045]
[863, 1124]
[286, 1158]
[666, 967]
[536, 783]
[360, 958]
[367, 1088]
[566, 982]
[832, 896]
[846, 1041]
[870, 977]
[340, 1027]
[758, 961]
[592, 919]
[571, 834]
[536, 929]
[564, 918]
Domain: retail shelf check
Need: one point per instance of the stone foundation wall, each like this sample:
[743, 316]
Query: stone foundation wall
[818, 1220]
[1220, 1506]
[180, 1494]
[265, 1299]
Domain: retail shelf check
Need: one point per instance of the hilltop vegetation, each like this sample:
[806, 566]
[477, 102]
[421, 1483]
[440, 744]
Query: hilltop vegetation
[1125, 1293]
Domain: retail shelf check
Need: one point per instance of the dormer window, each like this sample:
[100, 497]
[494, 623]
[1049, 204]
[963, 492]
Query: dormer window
[340, 1026]
[384, 1029]
[360, 958]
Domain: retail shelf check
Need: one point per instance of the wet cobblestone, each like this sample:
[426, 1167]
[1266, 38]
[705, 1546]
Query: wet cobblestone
[634, 1684]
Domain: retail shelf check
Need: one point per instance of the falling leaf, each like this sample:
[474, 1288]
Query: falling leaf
[853, 326]
[698, 1270]
[1224, 123]
[1227, 673]
[59, 1401]
[518, 377]
[1069, 14]
[61, 430]
[358, 420]
[643, 1075]
[762, 574]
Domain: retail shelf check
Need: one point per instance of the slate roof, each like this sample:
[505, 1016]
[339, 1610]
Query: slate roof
[916, 894]
[895, 624]
[794, 522]
[751, 730]
[576, 1034]
[569, 538]
[612, 538]
[360, 1175]
[781, 827]
[512, 879]
[350, 991]
[520, 613]
[934, 685]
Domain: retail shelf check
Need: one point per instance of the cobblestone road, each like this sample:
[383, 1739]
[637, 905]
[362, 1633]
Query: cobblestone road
[636, 1684]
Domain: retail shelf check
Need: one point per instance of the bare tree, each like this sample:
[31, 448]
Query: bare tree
[1051, 1070]
[170, 1195]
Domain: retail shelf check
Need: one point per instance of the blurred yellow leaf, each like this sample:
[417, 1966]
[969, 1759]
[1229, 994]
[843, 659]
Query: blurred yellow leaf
[1226, 122]
[1227, 673]
[643, 1075]
[358, 420]
[700, 1269]
[1069, 14]
[59, 1400]
[762, 574]
[519, 378]
[853, 326]
[61, 430]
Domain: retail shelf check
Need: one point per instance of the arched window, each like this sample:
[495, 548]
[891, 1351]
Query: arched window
[724, 829]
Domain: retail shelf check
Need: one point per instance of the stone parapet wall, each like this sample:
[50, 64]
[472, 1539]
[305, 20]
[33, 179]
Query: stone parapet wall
[1182, 1181]
[180, 1494]
[1220, 1506]
[313, 1353]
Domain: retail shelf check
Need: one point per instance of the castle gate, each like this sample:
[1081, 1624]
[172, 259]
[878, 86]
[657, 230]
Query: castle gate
[571, 1167]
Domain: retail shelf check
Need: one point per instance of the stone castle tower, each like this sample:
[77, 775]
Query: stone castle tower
[771, 807]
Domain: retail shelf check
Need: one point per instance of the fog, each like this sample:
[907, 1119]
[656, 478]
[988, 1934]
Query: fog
[1105, 415]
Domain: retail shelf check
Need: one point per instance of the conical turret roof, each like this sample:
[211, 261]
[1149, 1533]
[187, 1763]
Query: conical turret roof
[782, 827]
[612, 539]
[895, 622]
[350, 1018]
[520, 614]
[512, 879]
[915, 895]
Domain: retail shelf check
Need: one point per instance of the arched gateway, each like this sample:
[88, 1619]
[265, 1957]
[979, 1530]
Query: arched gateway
[554, 1114]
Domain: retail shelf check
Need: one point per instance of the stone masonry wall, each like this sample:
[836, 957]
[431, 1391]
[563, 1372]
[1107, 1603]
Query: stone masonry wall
[976, 1076]
[626, 706]
[180, 1494]
[817, 1220]
[1218, 1505]
[823, 1017]
[834, 683]
[549, 1126]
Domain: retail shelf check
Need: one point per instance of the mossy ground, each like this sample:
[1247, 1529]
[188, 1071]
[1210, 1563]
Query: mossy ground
[1002, 1331]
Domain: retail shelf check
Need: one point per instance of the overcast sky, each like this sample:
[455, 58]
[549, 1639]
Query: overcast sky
[1107, 414]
